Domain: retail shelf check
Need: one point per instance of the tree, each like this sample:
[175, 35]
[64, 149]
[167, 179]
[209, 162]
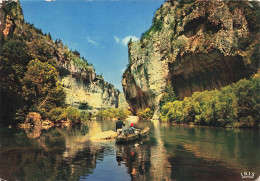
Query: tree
[41, 88]
[168, 96]
[13, 61]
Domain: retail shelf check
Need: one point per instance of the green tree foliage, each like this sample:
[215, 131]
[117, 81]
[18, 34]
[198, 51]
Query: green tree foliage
[27, 86]
[69, 114]
[145, 114]
[41, 88]
[13, 61]
[57, 114]
[236, 105]
[41, 50]
[168, 96]
[85, 106]
[113, 113]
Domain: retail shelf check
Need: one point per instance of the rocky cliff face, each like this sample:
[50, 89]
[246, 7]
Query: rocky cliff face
[194, 45]
[83, 85]
[76, 75]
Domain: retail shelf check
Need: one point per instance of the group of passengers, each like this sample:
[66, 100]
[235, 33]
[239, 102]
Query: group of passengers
[122, 129]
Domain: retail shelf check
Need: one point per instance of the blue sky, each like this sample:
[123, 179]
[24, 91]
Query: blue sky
[98, 29]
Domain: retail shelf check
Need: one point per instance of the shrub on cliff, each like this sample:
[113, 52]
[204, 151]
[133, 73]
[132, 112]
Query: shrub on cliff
[156, 27]
[236, 105]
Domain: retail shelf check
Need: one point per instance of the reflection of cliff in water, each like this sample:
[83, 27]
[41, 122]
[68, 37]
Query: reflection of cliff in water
[161, 168]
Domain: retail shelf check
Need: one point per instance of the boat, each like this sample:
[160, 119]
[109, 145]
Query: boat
[133, 136]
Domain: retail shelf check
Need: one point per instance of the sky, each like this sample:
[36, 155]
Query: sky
[98, 29]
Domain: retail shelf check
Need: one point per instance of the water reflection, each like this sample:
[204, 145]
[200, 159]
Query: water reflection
[169, 153]
[136, 157]
[206, 153]
[161, 169]
[57, 154]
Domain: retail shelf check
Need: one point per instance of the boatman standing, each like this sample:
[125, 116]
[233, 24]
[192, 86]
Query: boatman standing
[119, 127]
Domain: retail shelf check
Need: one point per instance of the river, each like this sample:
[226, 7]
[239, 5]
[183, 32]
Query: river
[170, 152]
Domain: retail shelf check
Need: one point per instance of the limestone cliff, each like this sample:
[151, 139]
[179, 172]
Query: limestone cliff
[83, 85]
[194, 46]
[76, 75]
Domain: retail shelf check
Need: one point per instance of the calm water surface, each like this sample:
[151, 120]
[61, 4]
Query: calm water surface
[169, 153]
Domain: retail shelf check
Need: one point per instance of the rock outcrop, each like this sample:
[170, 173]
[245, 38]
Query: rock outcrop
[194, 46]
[82, 85]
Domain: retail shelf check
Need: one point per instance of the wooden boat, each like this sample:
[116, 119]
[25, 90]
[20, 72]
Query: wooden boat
[133, 136]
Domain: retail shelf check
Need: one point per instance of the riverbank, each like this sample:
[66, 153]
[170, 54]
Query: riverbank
[236, 105]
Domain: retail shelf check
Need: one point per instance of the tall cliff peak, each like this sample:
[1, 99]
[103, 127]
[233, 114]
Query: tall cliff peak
[193, 46]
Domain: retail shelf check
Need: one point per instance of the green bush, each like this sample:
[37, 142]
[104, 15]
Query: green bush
[145, 114]
[85, 116]
[70, 114]
[113, 113]
[58, 114]
[73, 114]
[168, 96]
[236, 105]
[85, 106]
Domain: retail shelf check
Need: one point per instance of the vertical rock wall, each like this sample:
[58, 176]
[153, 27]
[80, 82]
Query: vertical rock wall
[196, 46]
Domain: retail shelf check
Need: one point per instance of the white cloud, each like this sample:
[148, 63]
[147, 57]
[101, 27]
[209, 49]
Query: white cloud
[117, 39]
[127, 39]
[91, 41]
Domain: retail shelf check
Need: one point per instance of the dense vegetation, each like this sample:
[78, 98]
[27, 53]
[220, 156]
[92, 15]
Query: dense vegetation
[29, 79]
[145, 114]
[70, 115]
[236, 105]
[112, 113]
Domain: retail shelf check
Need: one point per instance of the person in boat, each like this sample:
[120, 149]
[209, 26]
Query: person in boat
[132, 128]
[119, 127]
